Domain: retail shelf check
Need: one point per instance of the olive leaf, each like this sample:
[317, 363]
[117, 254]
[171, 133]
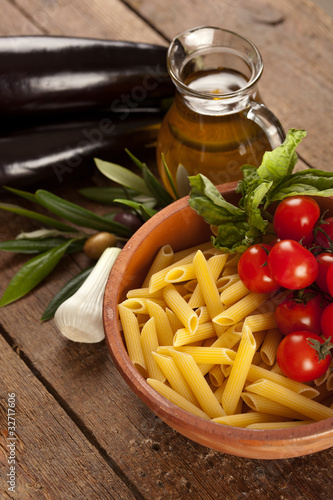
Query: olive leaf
[32, 273]
[106, 195]
[122, 176]
[27, 246]
[78, 215]
[44, 219]
[65, 292]
[144, 211]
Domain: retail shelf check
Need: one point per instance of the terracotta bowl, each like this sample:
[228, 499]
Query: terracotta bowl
[179, 226]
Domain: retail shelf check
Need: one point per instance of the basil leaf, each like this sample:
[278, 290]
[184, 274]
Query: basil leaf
[235, 236]
[32, 273]
[280, 162]
[251, 202]
[48, 221]
[66, 291]
[206, 200]
[78, 215]
[32, 246]
[308, 182]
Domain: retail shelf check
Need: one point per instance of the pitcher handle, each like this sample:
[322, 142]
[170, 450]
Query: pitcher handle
[267, 121]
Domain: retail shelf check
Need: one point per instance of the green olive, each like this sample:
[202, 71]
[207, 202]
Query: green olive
[96, 244]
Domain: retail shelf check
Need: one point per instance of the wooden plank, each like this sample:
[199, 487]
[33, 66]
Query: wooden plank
[98, 19]
[159, 462]
[46, 438]
[297, 49]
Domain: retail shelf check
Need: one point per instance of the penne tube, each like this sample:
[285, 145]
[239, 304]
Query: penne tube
[174, 376]
[139, 306]
[143, 293]
[233, 293]
[176, 398]
[183, 336]
[180, 273]
[308, 407]
[131, 332]
[225, 281]
[246, 419]
[265, 405]
[269, 346]
[203, 315]
[149, 343]
[256, 373]
[227, 340]
[157, 280]
[212, 355]
[238, 311]
[259, 337]
[216, 376]
[181, 308]
[279, 425]
[198, 384]
[163, 327]
[207, 284]
[182, 254]
[175, 323]
[239, 372]
[162, 260]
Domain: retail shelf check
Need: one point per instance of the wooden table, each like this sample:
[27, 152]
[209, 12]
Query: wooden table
[81, 432]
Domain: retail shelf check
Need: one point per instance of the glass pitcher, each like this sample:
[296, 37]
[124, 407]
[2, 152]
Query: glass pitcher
[217, 122]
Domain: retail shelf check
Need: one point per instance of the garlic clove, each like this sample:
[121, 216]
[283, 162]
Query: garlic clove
[80, 317]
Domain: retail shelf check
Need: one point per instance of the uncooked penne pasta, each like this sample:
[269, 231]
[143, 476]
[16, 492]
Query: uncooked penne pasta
[149, 343]
[180, 273]
[176, 398]
[139, 305]
[238, 311]
[265, 405]
[181, 308]
[239, 372]
[279, 425]
[131, 332]
[276, 392]
[203, 314]
[198, 384]
[175, 322]
[224, 282]
[183, 336]
[157, 280]
[216, 376]
[269, 346]
[207, 284]
[233, 293]
[174, 376]
[139, 293]
[163, 328]
[212, 355]
[246, 419]
[162, 260]
[181, 254]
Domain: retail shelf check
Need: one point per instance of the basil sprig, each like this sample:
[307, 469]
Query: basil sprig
[242, 226]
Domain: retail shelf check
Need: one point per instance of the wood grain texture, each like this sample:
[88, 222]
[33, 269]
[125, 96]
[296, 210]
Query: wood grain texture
[73, 402]
[48, 438]
[296, 46]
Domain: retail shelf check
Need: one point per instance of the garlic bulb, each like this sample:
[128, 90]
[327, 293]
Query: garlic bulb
[80, 317]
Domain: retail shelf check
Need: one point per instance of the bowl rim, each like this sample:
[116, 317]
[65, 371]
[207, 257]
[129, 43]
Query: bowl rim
[163, 408]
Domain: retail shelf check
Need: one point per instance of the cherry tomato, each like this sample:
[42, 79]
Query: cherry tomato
[253, 270]
[300, 361]
[329, 279]
[295, 218]
[327, 227]
[291, 265]
[324, 260]
[302, 313]
[327, 321]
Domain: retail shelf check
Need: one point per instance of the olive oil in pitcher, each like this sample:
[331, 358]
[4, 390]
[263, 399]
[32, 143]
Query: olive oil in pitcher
[213, 126]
